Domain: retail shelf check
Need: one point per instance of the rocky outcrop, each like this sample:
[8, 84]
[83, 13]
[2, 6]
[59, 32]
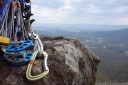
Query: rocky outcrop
[69, 62]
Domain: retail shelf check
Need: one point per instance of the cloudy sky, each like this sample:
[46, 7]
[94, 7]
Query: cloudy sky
[80, 11]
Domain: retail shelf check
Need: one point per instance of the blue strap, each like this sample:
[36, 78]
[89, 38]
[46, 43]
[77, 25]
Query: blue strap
[24, 45]
[3, 10]
[27, 56]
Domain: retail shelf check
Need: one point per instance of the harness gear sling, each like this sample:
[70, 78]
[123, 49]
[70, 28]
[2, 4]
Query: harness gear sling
[18, 42]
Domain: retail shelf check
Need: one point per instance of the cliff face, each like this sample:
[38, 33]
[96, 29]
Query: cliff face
[69, 62]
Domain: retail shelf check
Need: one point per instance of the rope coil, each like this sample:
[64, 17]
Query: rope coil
[18, 42]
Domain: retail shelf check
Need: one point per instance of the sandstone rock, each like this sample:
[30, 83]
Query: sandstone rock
[69, 62]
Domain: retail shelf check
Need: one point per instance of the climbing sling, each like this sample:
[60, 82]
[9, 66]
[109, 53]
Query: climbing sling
[19, 44]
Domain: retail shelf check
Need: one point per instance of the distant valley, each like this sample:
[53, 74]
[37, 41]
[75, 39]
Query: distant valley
[111, 46]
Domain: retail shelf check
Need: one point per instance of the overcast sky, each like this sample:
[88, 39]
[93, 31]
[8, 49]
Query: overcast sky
[81, 11]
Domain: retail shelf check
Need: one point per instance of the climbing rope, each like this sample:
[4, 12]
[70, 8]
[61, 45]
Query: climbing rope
[14, 33]
[19, 44]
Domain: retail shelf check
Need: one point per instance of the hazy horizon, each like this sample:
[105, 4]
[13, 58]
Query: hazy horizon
[79, 27]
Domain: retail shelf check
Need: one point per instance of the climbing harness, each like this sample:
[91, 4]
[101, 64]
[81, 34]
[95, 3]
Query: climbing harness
[19, 44]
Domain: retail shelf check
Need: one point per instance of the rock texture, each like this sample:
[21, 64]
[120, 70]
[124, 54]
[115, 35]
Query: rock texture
[69, 62]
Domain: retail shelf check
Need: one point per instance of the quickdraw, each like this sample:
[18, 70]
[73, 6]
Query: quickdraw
[28, 72]
[19, 44]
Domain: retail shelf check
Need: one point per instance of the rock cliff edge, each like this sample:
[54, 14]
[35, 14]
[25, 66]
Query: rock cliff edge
[69, 63]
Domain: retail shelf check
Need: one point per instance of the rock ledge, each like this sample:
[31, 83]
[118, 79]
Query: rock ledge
[69, 62]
